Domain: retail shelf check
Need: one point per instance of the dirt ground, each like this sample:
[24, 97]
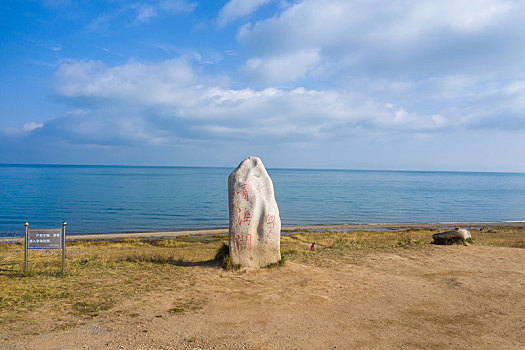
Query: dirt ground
[435, 297]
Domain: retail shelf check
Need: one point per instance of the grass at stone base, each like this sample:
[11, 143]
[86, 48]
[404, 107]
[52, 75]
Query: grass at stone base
[103, 273]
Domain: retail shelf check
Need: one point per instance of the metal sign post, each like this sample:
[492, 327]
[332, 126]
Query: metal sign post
[64, 246]
[25, 248]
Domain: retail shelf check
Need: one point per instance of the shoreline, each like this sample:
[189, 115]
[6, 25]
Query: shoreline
[218, 231]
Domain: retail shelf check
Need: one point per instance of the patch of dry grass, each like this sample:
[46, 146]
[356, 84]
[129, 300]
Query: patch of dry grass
[363, 240]
[513, 237]
[406, 238]
[330, 246]
[97, 276]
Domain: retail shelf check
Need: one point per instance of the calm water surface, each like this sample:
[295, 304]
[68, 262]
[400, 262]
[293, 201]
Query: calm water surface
[95, 199]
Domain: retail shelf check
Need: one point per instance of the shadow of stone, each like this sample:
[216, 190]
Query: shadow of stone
[448, 241]
[204, 263]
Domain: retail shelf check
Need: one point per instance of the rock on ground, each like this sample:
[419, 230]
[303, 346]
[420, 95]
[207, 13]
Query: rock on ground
[457, 233]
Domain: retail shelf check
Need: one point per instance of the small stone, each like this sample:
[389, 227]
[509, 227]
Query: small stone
[255, 224]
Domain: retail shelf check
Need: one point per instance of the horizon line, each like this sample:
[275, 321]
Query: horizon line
[233, 167]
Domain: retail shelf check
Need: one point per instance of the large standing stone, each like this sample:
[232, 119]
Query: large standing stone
[255, 225]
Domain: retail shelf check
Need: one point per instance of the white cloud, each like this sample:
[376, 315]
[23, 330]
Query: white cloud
[165, 101]
[407, 37]
[497, 106]
[340, 22]
[461, 16]
[280, 69]
[515, 91]
[24, 130]
[32, 126]
[177, 6]
[145, 13]
[140, 13]
[168, 101]
[236, 9]
[138, 82]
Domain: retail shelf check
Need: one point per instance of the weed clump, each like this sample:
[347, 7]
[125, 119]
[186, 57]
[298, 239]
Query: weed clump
[408, 241]
[279, 263]
[152, 258]
[345, 242]
[289, 252]
[92, 308]
[176, 310]
[229, 265]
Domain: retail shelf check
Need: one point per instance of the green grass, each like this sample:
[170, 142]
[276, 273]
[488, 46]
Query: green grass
[229, 265]
[92, 308]
[187, 305]
[175, 310]
[280, 263]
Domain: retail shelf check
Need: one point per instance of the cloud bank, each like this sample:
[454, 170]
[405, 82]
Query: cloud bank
[164, 101]
[317, 75]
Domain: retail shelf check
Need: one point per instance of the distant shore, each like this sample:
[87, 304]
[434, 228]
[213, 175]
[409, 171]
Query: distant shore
[218, 231]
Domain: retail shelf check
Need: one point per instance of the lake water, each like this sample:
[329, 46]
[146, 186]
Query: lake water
[99, 199]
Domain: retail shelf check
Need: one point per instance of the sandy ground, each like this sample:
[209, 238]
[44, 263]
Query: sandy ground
[437, 297]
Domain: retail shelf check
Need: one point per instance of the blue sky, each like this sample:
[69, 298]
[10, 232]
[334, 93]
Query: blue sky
[432, 85]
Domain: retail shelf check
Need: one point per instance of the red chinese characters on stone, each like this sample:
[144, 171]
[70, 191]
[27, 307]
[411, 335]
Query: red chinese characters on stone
[244, 217]
[270, 221]
[243, 241]
[244, 193]
[270, 225]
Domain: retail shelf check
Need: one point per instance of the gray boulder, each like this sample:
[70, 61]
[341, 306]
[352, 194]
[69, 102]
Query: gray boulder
[255, 225]
[456, 234]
